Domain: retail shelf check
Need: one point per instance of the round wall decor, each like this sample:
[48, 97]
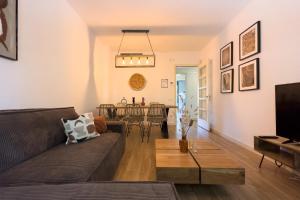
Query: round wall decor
[137, 82]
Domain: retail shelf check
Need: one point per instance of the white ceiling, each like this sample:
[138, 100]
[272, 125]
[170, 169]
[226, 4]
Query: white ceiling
[175, 25]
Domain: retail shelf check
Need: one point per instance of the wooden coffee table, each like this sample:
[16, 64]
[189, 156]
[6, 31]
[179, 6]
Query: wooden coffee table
[218, 168]
[174, 166]
[206, 164]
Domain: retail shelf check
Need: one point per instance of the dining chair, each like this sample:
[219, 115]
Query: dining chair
[108, 111]
[135, 117]
[156, 115]
[121, 110]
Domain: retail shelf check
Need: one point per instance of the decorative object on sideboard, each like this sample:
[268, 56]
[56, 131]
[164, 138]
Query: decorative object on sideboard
[227, 81]
[249, 41]
[124, 101]
[164, 83]
[226, 56]
[137, 82]
[143, 101]
[9, 29]
[134, 60]
[249, 75]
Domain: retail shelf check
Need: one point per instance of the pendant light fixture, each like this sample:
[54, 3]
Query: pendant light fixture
[126, 60]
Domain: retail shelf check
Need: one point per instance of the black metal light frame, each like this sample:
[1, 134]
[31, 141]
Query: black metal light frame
[122, 55]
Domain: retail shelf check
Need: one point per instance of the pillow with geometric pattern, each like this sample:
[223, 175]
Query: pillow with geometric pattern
[80, 129]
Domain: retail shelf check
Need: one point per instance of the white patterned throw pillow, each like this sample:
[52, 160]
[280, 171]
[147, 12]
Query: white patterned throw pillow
[80, 129]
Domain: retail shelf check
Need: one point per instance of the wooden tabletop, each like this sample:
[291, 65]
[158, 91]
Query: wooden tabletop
[174, 158]
[214, 159]
[174, 144]
[146, 106]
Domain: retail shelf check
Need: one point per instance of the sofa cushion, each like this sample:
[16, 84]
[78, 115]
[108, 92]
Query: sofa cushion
[62, 164]
[29, 132]
[100, 124]
[80, 129]
[105, 190]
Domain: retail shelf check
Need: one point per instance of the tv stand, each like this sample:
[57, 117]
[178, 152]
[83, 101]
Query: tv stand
[296, 143]
[288, 141]
[283, 153]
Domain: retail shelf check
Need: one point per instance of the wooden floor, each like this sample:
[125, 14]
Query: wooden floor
[269, 182]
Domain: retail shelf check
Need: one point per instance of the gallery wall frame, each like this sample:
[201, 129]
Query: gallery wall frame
[226, 56]
[250, 41]
[226, 85]
[9, 29]
[248, 76]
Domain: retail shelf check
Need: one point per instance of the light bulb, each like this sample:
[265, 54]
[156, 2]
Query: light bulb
[139, 62]
[147, 61]
[123, 62]
[131, 62]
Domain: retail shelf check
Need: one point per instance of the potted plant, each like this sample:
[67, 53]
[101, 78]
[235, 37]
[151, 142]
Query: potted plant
[185, 124]
[183, 142]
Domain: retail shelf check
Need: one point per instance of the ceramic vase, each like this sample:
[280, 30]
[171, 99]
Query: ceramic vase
[184, 145]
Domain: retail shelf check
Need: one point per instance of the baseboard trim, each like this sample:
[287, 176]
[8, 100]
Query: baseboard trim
[250, 148]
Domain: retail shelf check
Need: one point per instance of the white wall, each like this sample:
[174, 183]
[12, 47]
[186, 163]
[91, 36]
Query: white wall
[242, 115]
[115, 85]
[103, 65]
[54, 67]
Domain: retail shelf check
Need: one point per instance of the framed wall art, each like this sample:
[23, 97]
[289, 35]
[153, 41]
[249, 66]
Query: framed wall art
[164, 83]
[249, 75]
[227, 81]
[8, 29]
[226, 56]
[249, 41]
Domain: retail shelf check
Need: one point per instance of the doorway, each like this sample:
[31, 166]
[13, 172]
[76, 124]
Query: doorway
[193, 92]
[187, 85]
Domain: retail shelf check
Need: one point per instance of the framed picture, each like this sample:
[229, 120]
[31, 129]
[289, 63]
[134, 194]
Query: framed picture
[250, 41]
[249, 75]
[8, 29]
[164, 83]
[226, 56]
[227, 81]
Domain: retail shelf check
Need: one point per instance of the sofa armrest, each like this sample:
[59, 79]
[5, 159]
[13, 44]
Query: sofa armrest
[116, 126]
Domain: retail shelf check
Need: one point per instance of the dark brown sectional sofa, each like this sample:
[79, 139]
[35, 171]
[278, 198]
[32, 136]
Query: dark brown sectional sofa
[93, 191]
[33, 150]
[36, 164]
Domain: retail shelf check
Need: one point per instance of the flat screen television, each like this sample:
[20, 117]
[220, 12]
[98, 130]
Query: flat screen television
[288, 111]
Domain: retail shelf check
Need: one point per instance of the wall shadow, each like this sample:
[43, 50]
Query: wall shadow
[91, 96]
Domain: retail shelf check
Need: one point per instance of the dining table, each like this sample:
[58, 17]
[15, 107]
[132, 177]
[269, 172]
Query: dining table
[164, 127]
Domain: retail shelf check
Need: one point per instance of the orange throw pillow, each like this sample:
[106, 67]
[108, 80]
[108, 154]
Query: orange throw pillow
[100, 124]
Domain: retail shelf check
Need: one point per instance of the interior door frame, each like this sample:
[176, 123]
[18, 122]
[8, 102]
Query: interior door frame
[209, 64]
